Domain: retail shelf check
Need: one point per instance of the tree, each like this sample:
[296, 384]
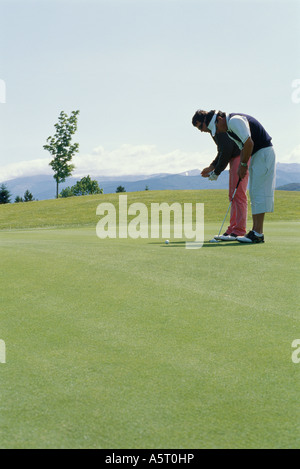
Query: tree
[67, 192]
[120, 189]
[86, 186]
[83, 187]
[61, 148]
[28, 197]
[5, 195]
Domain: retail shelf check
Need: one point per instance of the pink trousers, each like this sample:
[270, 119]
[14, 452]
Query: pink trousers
[239, 207]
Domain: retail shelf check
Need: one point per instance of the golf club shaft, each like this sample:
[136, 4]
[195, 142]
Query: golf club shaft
[233, 195]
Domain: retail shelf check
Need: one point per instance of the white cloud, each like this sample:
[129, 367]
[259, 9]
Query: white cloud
[125, 160]
[137, 159]
[293, 156]
[24, 169]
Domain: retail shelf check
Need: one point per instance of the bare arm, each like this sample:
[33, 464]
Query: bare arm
[245, 157]
[247, 150]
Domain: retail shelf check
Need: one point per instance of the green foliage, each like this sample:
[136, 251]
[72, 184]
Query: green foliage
[67, 192]
[87, 187]
[60, 147]
[83, 187]
[28, 197]
[120, 189]
[4, 195]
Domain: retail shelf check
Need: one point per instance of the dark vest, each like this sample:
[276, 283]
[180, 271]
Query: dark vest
[259, 135]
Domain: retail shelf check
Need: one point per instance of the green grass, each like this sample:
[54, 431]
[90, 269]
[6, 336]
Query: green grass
[81, 211]
[135, 344]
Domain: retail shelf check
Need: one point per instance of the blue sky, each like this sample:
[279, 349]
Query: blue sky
[138, 70]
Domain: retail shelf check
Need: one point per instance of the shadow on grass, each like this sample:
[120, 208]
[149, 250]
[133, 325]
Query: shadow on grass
[206, 244]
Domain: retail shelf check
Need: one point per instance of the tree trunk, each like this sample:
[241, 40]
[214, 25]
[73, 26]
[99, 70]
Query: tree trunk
[57, 189]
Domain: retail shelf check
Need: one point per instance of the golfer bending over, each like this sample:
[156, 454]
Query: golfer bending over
[228, 152]
[253, 141]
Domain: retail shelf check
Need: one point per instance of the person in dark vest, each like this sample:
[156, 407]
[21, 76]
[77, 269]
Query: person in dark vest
[228, 153]
[255, 143]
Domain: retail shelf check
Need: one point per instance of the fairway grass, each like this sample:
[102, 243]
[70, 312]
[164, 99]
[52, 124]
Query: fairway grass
[133, 344]
[126, 343]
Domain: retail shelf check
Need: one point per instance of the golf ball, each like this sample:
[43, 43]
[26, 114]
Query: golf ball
[167, 241]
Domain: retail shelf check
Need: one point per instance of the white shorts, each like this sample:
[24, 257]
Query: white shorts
[262, 175]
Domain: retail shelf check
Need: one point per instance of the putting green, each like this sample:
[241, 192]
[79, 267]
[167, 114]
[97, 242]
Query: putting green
[138, 344]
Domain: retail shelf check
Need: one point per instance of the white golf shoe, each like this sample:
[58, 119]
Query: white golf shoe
[251, 238]
[226, 237]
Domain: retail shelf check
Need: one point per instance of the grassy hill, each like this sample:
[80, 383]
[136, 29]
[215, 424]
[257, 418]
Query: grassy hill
[81, 211]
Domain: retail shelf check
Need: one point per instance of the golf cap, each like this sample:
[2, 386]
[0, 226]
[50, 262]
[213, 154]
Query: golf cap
[212, 125]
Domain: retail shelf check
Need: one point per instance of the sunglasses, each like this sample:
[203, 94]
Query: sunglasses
[201, 125]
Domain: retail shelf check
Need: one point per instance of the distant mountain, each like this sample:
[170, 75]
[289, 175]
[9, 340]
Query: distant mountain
[295, 167]
[289, 187]
[287, 174]
[43, 187]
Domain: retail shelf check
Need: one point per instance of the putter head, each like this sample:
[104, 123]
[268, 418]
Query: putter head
[214, 240]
